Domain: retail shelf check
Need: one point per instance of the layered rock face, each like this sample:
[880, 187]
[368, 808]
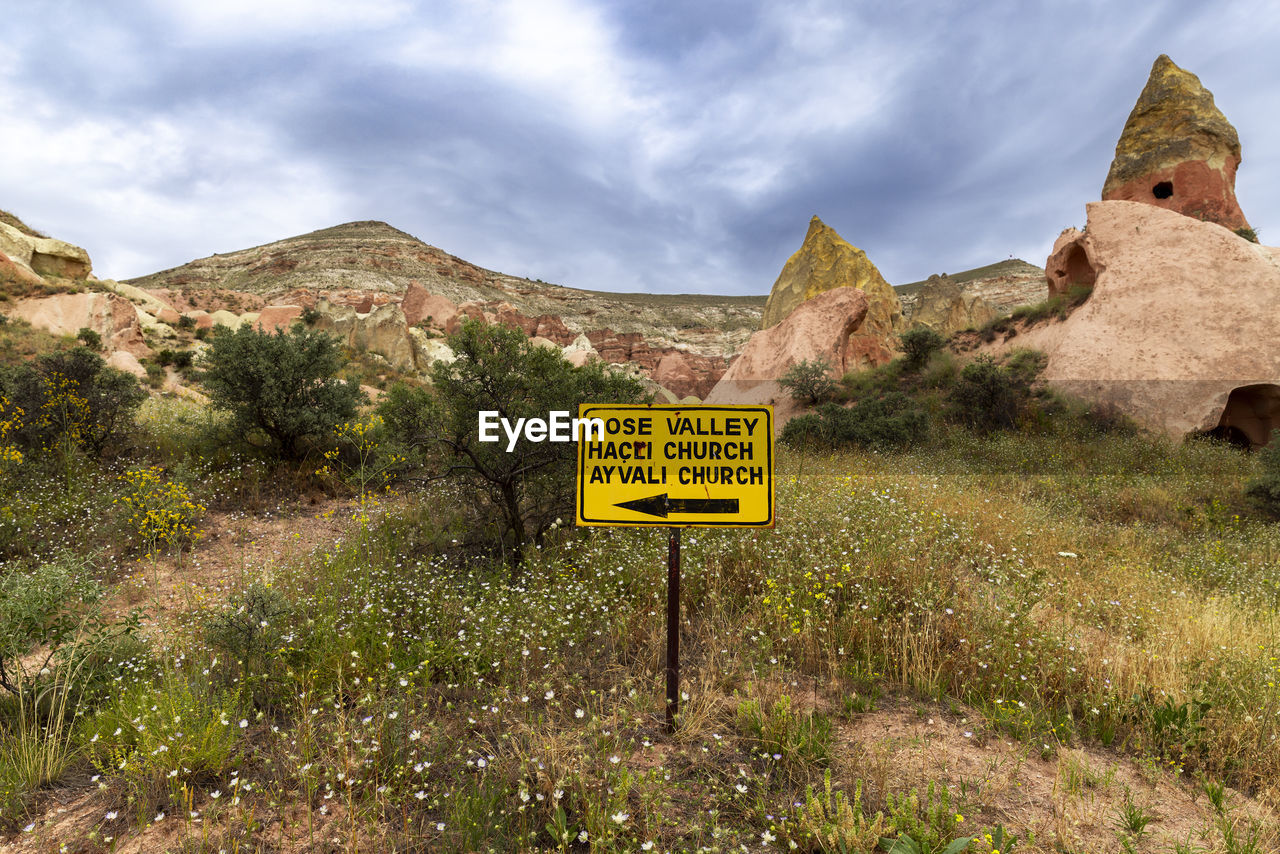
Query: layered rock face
[822, 328]
[44, 256]
[371, 264]
[1178, 151]
[1179, 332]
[825, 262]
[114, 318]
[943, 306]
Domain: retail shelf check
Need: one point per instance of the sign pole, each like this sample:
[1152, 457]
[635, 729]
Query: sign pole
[673, 628]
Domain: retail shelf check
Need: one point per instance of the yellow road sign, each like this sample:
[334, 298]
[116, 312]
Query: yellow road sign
[705, 466]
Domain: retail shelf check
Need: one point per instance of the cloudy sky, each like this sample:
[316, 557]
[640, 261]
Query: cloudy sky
[627, 146]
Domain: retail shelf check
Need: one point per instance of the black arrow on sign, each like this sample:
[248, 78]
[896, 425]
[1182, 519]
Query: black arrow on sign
[661, 505]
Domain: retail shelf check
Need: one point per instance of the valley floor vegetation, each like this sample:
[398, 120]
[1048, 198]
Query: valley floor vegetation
[1034, 629]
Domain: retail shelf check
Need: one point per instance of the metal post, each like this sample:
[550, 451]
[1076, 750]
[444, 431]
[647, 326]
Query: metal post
[673, 629]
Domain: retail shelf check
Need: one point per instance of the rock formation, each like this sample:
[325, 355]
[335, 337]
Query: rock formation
[1069, 265]
[1178, 151]
[943, 306]
[114, 318]
[824, 262]
[1179, 331]
[275, 317]
[1003, 286]
[356, 261]
[823, 327]
[43, 256]
[419, 305]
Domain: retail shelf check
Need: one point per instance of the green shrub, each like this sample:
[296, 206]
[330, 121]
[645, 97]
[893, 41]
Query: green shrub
[1247, 233]
[250, 632]
[809, 382]
[990, 397]
[918, 345]
[186, 322]
[281, 387]
[1264, 490]
[155, 374]
[885, 421]
[89, 338]
[72, 400]
[47, 608]
[940, 371]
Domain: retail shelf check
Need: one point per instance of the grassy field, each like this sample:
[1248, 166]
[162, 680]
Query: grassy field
[1041, 643]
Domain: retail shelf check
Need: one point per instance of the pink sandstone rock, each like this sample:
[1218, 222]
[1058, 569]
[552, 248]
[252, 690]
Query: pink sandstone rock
[419, 304]
[275, 317]
[1180, 330]
[12, 272]
[688, 374]
[1069, 264]
[169, 316]
[127, 362]
[112, 317]
[819, 328]
[471, 309]
[202, 318]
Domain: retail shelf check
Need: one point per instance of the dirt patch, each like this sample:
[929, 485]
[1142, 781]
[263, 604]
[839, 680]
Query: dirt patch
[1071, 798]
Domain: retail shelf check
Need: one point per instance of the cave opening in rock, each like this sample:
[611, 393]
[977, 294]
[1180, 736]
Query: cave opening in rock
[1079, 272]
[1251, 413]
[1163, 190]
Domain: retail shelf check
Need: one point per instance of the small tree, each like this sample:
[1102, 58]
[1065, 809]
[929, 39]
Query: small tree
[809, 382]
[990, 397]
[282, 387]
[919, 344]
[89, 338]
[72, 401]
[499, 369]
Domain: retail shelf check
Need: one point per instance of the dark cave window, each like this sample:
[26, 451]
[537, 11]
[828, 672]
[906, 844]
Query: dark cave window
[1163, 190]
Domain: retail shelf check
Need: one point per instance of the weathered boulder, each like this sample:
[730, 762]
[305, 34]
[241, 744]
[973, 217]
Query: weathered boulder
[826, 261]
[470, 309]
[383, 332]
[1178, 151]
[580, 352]
[1179, 331]
[420, 304]
[275, 317]
[152, 326]
[688, 374]
[114, 318]
[147, 301]
[13, 273]
[427, 350]
[202, 319]
[222, 317]
[822, 328]
[44, 255]
[943, 306]
[552, 328]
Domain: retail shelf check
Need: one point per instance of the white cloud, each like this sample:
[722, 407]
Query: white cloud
[141, 196]
[254, 20]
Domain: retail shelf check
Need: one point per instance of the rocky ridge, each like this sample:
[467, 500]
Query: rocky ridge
[366, 264]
